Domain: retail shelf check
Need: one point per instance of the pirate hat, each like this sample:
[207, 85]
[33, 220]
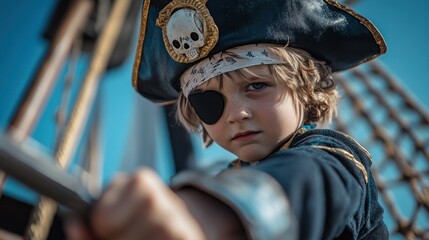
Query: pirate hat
[176, 34]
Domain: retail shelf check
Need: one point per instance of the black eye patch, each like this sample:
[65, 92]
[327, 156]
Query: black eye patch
[208, 105]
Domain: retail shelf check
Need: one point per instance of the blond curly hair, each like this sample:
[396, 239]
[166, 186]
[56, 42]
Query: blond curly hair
[313, 87]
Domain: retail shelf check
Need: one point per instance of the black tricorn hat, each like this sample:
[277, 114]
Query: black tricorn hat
[328, 30]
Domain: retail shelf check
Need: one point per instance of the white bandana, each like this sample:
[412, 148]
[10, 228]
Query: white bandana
[229, 60]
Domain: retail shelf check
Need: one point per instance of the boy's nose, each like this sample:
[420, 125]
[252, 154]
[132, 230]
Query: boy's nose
[238, 111]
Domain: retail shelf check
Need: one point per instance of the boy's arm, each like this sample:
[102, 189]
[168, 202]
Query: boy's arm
[217, 220]
[255, 199]
[141, 206]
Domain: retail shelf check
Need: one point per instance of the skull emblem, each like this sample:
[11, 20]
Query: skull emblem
[185, 32]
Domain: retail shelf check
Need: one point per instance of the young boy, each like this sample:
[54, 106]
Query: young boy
[255, 77]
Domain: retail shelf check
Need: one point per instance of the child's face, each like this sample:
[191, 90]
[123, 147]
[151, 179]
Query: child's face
[258, 115]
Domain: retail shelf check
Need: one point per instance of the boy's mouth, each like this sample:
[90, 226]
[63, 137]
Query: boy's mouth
[244, 136]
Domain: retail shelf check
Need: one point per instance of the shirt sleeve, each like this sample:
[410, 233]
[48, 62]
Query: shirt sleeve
[256, 197]
[323, 188]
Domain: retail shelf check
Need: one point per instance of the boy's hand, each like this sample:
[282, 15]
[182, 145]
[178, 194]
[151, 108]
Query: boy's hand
[140, 206]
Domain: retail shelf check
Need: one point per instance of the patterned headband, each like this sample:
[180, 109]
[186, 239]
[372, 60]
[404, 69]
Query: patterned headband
[229, 60]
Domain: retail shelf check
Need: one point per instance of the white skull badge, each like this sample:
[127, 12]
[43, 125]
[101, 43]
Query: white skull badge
[185, 32]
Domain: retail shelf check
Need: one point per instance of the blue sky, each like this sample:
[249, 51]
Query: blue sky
[405, 27]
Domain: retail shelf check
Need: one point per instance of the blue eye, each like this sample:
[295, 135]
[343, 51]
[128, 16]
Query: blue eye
[256, 86]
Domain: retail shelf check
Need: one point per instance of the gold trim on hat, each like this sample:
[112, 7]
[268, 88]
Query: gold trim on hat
[211, 32]
[143, 21]
[368, 24]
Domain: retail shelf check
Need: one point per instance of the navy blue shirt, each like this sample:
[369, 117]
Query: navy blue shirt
[327, 179]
